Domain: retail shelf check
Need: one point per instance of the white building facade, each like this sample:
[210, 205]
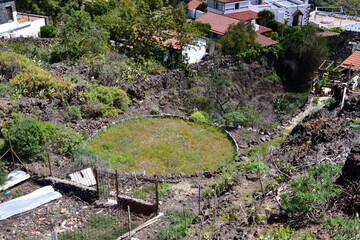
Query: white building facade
[294, 12]
[14, 24]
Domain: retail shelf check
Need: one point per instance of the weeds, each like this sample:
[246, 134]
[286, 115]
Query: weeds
[179, 224]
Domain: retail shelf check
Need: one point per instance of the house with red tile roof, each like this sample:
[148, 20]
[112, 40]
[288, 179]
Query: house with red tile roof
[295, 12]
[220, 23]
[192, 12]
[192, 48]
[352, 62]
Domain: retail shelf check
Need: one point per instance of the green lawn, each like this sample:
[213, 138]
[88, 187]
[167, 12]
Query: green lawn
[163, 145]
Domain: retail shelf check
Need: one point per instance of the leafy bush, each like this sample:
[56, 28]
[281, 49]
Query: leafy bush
[74, 112]
[254, 167]
[356, 123]
[247, 117]
[33, 138]
[311, 193]
[48, 31]
[286, 104]
[330, 101]
[28, 79]
[109, 101]
[198, 117]
[179, 223]
[344, 229]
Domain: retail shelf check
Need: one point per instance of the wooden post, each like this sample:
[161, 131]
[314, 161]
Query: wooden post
[117, 186]
[97, 182]
[199, 200]
[12, 155]
[157, 195]
[48, 155]
[129, 221]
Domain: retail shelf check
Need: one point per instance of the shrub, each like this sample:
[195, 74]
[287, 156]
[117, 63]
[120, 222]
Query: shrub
[48, 31]
[33, 138]
[28, 79]
[198, 117]
[254, 167]
[355, 124]
[330, 101]
[74, 112]
[246, 117]
[285, 105]
[344, 229]
[110, 100]
[312, 192]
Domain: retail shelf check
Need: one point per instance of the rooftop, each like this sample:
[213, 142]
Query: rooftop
[23, 17]
[328, 20]
[193, 4]
[219, 23]
[353, 60]
[243, 16]
[264, 41]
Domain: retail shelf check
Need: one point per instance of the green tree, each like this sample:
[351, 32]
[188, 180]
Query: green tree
[98, 7]
[304, 50]
[80, 37]
[238, 37]
[141, 30]
[265, 17]
[55, 9]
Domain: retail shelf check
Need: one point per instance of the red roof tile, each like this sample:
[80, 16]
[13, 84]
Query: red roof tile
[263, 29]
[264, 41]
[353, 60]
[219, 23]
[328, 33]
[193, 4]
[244, 16]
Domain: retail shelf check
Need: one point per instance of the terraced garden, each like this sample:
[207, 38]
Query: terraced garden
[163, 145]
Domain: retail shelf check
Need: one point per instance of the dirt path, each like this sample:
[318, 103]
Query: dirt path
[310, 108]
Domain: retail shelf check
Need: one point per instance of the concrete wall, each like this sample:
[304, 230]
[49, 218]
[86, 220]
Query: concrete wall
[243, 6]
[195, 14]
[3, 13]
[194, 53]
[26, 29]
[352, 27]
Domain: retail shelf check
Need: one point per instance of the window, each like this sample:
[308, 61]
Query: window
[9, 14]
[237, 5]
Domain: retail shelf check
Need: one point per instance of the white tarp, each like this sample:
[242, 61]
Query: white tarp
[28, 202]
[84, 177]
[15, 177]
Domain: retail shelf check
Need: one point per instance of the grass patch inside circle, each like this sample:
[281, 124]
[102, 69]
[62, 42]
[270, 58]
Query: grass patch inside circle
[163, 145]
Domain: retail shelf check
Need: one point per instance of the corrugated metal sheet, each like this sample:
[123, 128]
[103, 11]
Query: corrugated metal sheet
[84, 177]
[28, 202]
[15, 177]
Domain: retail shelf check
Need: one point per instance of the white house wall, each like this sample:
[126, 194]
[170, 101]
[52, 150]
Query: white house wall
[191, 13]
[352, 27]
[194, 53]
[25, 29]
[284, 13]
